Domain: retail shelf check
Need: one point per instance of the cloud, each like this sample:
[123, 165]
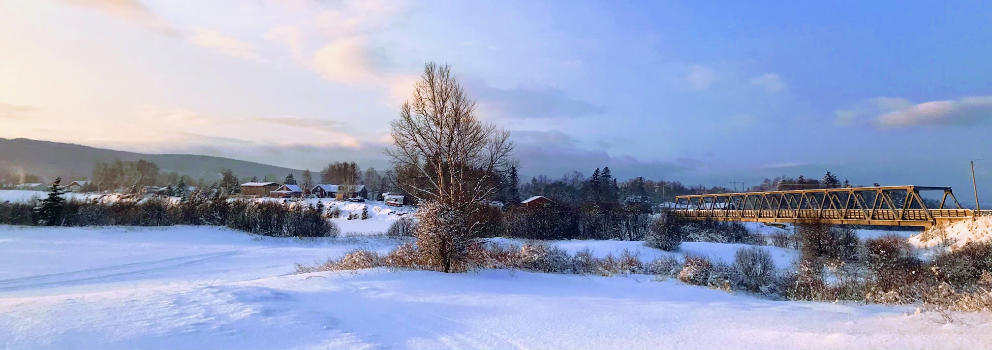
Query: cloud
[525, 102]
[771, 82]
[129, 10]
[345, 60]
[889, 112]
[224, 44]
[9, 111]
[553, 153]
[699, 77]
[319, 124]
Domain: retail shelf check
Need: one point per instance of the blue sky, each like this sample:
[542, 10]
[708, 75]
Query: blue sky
[703, 92]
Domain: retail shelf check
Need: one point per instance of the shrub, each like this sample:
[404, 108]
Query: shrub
[665, 266]
[820, 240]
[720, 232]
[755, 267]
[16, 213]
[404, 256]
[545, 258]
[783, 240]
[583, 262]
[695, 270]
[964, 267]
[442, 237]
[404, 227]
[666, 233]
[806, 283]
[358, 259]
[890, 260]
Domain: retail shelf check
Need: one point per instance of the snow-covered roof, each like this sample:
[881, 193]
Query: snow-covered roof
[289, 188]
[258, 184]
[80, 183]
[531, 199]
[336, 188]
[326, 187]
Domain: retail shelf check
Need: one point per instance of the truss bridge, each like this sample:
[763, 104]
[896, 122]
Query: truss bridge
[878, 205]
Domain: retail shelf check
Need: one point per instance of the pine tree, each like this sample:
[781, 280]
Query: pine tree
[595, 187]
[50, 211]
[513, 187]
[290, 180]
[180, 190]
[830, 180]
[608, 192]
[365, 212]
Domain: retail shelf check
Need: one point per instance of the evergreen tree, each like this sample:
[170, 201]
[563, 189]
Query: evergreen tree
[49, 213]
[289, 180]
[180, 190]
[595, 187]
[830, 180]
[513, 188]
[365, 212]
[608, 192]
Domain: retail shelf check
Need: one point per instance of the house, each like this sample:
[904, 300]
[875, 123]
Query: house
[258, 189]
[324, 191]
[287, 191]
[393, 199]
[340, 192]
[537, 201]
[77, 186]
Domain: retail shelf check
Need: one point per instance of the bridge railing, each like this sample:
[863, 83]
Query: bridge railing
[900, 204]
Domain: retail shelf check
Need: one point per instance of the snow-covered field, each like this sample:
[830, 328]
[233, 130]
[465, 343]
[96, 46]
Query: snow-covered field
[208, 287]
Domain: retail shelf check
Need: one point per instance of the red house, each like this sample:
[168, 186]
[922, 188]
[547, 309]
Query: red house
[537, 201]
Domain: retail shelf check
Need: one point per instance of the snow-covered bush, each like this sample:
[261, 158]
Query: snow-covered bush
[806, 283]
[405, 256]
[583, 262]
[756, 268]
[667, 266]
[544, 258]
[404, 227]
[666, 233]
[964, 267]
[442, 236]
[357, 260]
[718, 231]
[890, 260]
[696, 270]
[820, 240]
[15, 213]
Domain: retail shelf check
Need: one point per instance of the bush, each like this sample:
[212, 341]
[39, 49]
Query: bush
[820, 240]
[696, 270]
[756, 269]
[665, 266]
[718, 231]
[963, 268]
[890, 260]
[806, 283]
[404, 256]
[357, 260]
[16, 213]
[666, 233]
[544, 258]
[404, 227]
[443, 237]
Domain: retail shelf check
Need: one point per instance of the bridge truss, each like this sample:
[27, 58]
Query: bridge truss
[879, 205]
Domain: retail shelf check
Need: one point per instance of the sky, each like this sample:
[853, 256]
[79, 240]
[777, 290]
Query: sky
[893, 92]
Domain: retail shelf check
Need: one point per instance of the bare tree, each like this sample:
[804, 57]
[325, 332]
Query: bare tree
[456, 160]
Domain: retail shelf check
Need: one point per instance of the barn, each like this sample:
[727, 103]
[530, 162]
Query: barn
[258, 189]
[537, 201]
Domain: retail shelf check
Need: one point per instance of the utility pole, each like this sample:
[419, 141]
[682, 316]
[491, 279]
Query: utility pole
[974, 184]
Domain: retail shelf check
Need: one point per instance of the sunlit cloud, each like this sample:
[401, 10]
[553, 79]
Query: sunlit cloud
[128, 10]
[224, 44]
[890, 112]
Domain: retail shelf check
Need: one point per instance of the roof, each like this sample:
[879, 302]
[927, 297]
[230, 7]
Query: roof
[258, 184]
[80, 183]
[531, 199]
[326, 187]
[289, 188]
[336, 188]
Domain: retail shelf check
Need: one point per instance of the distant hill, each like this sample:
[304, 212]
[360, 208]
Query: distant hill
[51, 159]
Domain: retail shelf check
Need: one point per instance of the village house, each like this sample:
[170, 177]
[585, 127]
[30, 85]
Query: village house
[258, 189]
[340, 192]
[77, 186]
[287, 191]
[537, 201]
[393, 199]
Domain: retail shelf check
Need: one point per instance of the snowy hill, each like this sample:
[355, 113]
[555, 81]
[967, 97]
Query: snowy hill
[51, 159]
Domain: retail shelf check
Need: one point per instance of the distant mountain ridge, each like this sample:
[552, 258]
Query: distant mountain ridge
[50, 159]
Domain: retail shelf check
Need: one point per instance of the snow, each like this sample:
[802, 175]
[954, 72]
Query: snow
[955, 235]
[206, 287]
[27, 196]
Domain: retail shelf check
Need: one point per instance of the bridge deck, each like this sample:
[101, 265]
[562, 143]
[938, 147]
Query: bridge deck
[882, 205]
